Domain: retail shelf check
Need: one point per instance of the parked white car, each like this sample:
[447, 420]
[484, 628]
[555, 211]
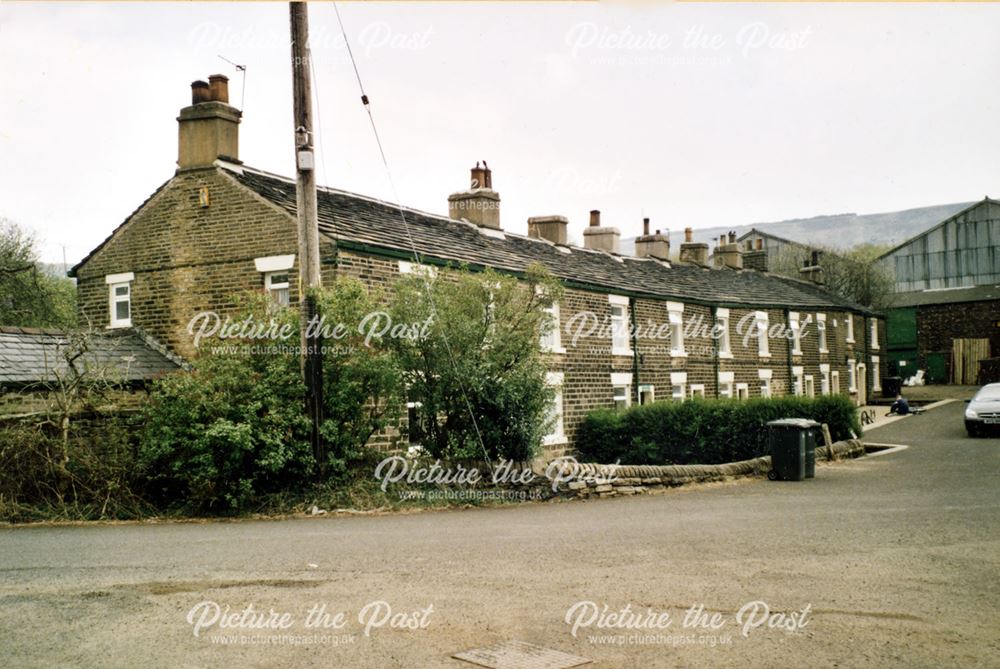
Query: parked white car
[983, 412]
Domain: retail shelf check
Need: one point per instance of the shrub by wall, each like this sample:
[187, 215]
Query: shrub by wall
[87, 472]
[703, 431]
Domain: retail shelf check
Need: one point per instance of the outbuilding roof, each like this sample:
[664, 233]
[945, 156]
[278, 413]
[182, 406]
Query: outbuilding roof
[31, 355]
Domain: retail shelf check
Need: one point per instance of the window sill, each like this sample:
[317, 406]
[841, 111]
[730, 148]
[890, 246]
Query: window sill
[824, 350]
[558, 349]
[621, 352]
[555, 440]
[119, 326]
[678, 354]
[725, 356]
[763, 355]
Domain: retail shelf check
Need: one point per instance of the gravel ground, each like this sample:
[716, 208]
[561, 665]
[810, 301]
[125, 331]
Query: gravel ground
[895, 556]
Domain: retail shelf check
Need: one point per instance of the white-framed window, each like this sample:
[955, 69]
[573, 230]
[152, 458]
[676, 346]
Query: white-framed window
[742, 391]
[726, 380]
[119, 299]
[821, 332]
[678, 386]
[764, 375]
[835, 383]
[621, 385]
[647, 394]
[551, 338]
[406, 267]
[849, 320]
[619, 325]
[554, 417]
[874, 333]
[675, 314]
[824, 382]
[809, 385]
[277, 272]
[798, 386]
[876, 372]
[276, 285]
[722, 333]
[793, 324]
[698, 390]
[852, 376]
[760, 322]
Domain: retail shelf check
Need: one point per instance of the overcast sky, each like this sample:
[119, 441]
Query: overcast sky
[693, 114]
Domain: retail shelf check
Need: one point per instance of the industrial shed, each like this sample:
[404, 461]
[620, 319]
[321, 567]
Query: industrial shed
[946, 313]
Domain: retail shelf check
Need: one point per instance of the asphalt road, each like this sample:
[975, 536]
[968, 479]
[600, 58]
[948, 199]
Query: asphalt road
[897, 558]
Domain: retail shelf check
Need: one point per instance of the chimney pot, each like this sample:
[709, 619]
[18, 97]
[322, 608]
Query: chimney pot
[645, 227]
[200, 92]
[687, 235]
[477, 177]
[219, 87]
[595, 218]
[732, 237]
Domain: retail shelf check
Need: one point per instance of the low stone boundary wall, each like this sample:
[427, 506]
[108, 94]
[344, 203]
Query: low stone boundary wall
[595, 480]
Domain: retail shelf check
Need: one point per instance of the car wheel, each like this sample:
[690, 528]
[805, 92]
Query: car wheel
[973, 432]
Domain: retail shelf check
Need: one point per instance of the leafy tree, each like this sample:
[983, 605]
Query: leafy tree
[852, 274]
[477, 376]
[29, 295]
[361, 378]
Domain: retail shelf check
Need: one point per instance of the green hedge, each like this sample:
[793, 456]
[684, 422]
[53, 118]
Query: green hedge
[703, 431]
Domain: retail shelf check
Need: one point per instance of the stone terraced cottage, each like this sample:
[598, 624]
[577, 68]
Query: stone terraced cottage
[218, 227]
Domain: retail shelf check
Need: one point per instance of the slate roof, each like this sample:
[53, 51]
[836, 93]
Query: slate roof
[946, 296]
[30, 355]
[363, 223]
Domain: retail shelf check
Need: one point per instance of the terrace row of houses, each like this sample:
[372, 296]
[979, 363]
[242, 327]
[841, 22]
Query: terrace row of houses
[218, 227]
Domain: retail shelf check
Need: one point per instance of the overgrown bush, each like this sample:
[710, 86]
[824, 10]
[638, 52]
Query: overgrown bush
[226, 432]
[703, 431]
[234, 429]
[85, 472]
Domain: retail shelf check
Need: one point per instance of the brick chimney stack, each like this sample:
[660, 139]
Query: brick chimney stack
[652, 246]
[728, 253]
[552, 228]
[208, 130]
[480, 204]
[600, 238]
[811, 268]
[693, 252]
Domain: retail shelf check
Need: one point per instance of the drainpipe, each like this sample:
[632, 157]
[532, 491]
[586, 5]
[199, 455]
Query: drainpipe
[788, 348]
[635, 348]
[715, 350]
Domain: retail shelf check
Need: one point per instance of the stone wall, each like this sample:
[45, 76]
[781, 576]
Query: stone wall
[186, 258]
[599, 481]
[189, 258]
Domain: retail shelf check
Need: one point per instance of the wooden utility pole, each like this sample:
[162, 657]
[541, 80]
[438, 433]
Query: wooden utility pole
[309, 274]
